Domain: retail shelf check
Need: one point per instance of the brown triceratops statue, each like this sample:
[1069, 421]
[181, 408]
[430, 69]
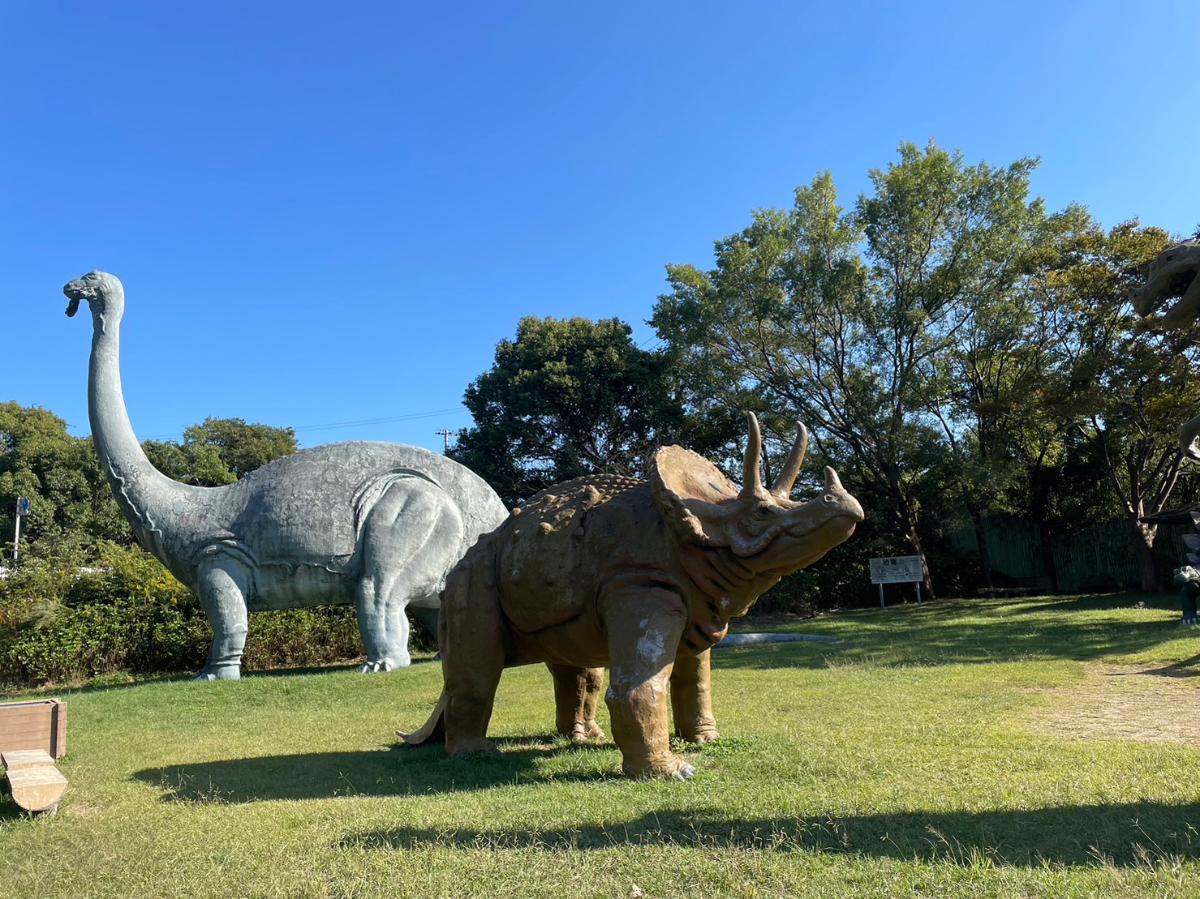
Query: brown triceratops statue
[641, 577]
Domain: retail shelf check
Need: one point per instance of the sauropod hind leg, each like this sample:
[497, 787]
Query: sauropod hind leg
[410, 538]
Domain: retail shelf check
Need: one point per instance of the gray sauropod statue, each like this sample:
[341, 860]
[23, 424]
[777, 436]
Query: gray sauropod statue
[376, 524]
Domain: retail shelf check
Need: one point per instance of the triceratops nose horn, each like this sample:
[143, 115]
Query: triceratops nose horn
[832, 481]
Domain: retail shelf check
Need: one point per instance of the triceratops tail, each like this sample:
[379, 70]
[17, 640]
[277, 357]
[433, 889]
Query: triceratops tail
[432, 730]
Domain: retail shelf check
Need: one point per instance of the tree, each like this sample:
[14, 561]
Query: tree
[194, 463]
[567, 397]
[848, 318]
[998, 395]
[239, 446]
[59, 473]
[1131, 385]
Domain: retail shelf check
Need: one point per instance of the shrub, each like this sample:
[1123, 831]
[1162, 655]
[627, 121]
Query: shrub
[76, 612]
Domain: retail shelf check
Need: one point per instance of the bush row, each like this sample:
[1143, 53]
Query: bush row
[64, 620]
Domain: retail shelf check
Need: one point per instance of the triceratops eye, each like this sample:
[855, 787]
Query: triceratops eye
[763, 511]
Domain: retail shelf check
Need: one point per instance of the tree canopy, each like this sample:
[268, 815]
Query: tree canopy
[567, 397]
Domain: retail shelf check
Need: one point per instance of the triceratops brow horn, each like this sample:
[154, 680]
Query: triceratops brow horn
[751, 478]
[791, 468]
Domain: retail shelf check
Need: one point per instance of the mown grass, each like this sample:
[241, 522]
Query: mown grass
[903, 760]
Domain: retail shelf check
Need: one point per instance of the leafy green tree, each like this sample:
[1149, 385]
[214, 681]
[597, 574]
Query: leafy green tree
[239, 446]
[567, 397]
[199, 464]
[58, 473]
[998, 391]
[849, 318]
[1131, 386]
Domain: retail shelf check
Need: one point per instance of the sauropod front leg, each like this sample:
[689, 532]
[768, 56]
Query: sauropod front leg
[643, 627]
[410, 539]
[691, 697]
[576, 694]
[223, 584]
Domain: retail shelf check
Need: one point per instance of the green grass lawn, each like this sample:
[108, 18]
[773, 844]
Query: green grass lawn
[979, 748]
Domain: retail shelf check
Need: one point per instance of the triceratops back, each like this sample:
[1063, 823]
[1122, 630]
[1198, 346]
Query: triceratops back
[553, 552]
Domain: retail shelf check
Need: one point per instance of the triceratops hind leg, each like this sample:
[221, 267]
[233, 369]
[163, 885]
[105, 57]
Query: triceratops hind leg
[576, 695]
[472, 644]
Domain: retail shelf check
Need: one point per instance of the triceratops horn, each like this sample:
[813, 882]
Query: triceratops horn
[832, 481]
[751, 479]
[791, 468]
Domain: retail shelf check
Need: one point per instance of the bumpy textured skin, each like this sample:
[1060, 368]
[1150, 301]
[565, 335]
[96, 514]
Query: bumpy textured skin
[375, 524]
[636, 576]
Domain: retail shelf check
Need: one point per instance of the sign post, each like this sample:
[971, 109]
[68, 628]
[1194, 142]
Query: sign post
[897, 570]
[22, 511]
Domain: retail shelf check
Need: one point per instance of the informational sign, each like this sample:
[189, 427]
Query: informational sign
[897, 570]
[22, 506]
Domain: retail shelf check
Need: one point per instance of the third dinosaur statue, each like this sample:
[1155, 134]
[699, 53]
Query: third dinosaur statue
[1174, 274]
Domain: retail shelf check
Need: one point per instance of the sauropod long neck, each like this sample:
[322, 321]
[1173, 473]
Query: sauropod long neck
[146, 497]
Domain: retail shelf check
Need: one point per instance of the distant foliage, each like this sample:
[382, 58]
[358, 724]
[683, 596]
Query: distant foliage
[567, 397]
[64, 621]
[59, 474]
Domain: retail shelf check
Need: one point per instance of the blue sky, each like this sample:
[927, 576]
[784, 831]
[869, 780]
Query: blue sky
[329, 213]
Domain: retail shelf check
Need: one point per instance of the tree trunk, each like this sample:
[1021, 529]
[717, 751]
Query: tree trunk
[979, 519]
[1143, 543]
[1039, 505]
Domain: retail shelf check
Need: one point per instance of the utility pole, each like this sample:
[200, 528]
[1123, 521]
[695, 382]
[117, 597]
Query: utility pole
[445, 435]
[22, 511]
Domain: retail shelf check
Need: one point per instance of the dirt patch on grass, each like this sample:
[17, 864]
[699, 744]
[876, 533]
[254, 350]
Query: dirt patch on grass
[1126, 702]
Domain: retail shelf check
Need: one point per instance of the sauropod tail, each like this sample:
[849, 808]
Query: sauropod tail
[431, 730]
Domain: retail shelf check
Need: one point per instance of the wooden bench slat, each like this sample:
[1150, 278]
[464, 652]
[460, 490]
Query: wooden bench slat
[15, 759]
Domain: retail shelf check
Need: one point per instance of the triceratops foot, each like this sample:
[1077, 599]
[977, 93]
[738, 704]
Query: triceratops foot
[672, 767]
[387, 663]
[583, 731]
[473, 745]
[701, 735]
[218, 672]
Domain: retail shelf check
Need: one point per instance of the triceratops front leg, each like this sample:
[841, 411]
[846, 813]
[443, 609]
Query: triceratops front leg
[691, 697]
[644, 627]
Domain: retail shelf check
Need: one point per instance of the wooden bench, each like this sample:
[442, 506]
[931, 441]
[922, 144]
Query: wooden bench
[32, 736]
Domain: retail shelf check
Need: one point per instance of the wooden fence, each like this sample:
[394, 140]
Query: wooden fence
[1099, 557]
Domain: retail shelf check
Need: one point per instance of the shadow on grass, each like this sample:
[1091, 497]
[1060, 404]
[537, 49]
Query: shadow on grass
[1143, 833]
[398, 771]
[122, 681]
[9, 810]
[964, 631]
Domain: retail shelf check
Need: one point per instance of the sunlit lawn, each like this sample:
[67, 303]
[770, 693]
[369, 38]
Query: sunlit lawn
[945, 750]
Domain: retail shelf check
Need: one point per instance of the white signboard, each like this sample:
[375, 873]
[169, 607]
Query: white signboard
[897, 570]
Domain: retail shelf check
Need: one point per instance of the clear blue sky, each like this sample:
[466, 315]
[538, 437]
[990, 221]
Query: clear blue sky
[331, 212]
